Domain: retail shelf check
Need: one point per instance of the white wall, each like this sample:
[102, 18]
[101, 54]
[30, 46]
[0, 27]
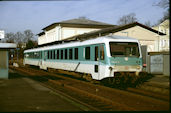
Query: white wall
[164, 40]
[41, 39]
[145, 37]
[60, 33]
[68, 32]
[50, 36]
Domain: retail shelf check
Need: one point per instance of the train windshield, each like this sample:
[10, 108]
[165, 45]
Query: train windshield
[124, 49]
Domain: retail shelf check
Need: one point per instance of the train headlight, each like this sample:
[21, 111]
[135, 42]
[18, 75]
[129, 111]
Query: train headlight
[138, 67]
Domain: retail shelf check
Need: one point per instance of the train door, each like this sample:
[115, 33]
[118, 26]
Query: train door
[40, 60]
[99, 58]
[96, 59]
[43, 60]
[101, 61]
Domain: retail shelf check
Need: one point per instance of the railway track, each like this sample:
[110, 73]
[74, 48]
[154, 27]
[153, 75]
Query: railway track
[99, 97]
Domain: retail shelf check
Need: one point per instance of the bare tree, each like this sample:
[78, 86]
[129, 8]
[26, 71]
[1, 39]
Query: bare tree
[10, 37]
[126, 19]
[19, 37]
[28, 35]
[165, 5]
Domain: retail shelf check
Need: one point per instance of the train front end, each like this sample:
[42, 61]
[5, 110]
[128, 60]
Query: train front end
[125, 58]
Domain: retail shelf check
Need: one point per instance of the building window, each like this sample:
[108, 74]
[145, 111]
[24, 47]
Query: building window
[87, 53]
[76, 53]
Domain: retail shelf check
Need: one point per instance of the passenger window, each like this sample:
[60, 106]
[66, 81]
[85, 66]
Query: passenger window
[40, 55]
[57, 54]
[61, 54]
[96, 53]
[87, 53]
[48, 54]
[66, 54]
[70, 53]
[54, 54]
[51, 55]
[102, 52]
[76, 53]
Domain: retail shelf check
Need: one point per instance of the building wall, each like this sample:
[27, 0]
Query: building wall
[68, 32]
[60, 33]
[145, 37]
[41, 39]
[4, 64]
[164, 40]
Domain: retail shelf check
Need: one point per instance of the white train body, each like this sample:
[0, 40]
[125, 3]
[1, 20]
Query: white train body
[101, 57]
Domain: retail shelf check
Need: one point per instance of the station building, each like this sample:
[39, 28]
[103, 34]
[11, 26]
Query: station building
[84, 28]
[4, 57]
[147, 36]
[64, 29]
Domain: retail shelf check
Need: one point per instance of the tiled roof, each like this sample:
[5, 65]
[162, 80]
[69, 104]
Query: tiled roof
[80, 22]
[83, 21]
[109, 30]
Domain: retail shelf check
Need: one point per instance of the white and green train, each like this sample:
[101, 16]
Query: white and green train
[100, 57]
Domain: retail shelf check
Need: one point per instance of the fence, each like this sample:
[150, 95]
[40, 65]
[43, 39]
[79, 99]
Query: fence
[158, 63]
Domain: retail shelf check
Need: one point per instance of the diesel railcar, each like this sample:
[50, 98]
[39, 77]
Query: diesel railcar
[100, 57]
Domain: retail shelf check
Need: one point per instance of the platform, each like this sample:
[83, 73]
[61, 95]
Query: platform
[21, 94]
[158, 83]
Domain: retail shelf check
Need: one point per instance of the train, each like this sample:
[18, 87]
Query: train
[100, 58]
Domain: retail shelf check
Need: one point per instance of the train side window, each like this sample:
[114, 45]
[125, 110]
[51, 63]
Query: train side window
[40, 54]
[96, 53]
[66, 54]
[45, 55]
[51, 54]
[70, 53]
[102, 56]
[61, 54]
[48, 55]
[54, 54]
[87, 53]
[57, 54]
[76, 53]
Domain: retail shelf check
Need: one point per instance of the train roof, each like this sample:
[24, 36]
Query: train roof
[103, 39]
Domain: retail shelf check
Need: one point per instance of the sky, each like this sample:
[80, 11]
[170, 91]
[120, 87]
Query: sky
[35, 15]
